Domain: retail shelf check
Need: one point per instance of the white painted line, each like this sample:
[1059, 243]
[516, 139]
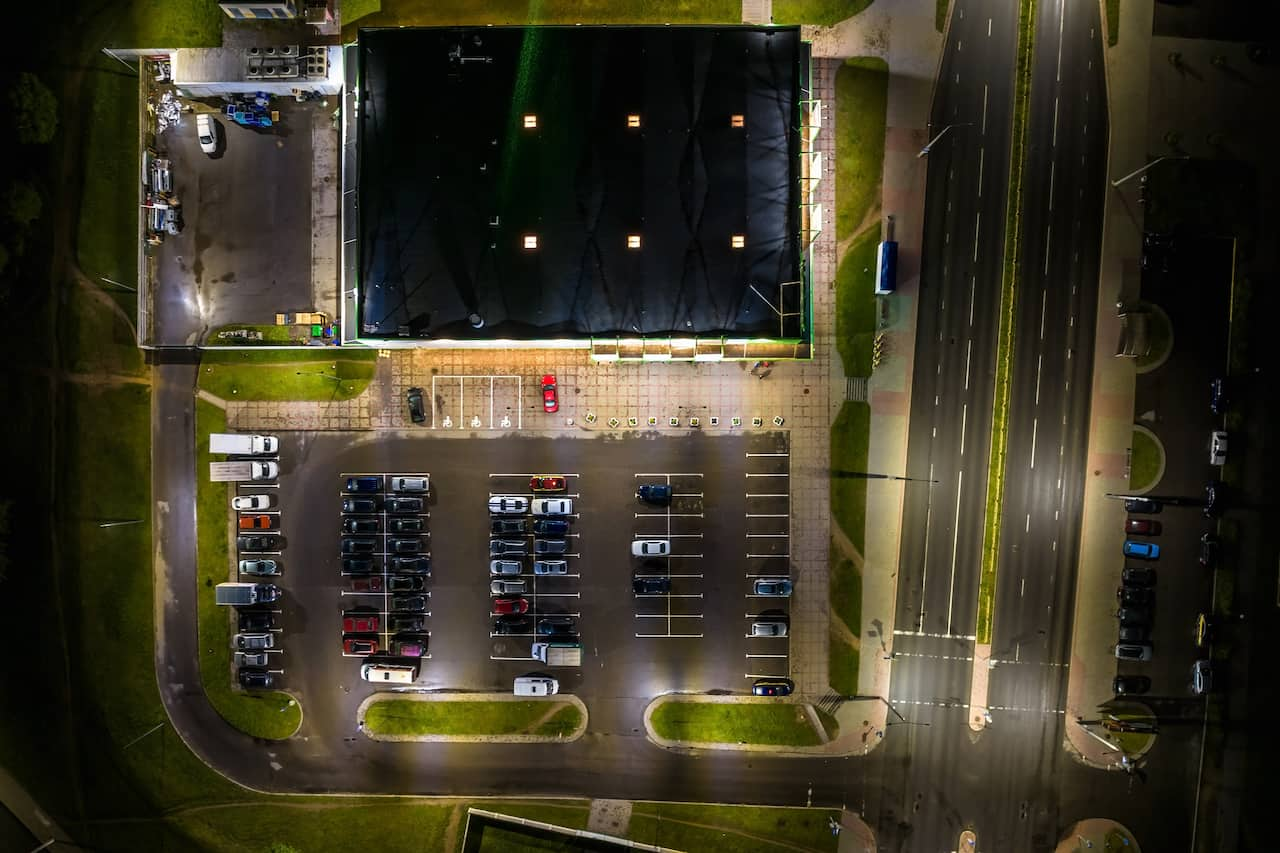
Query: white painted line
[981, 156]
[964, 422]
[1055, 121]
[765, 556]
[749, 474]
[1062, 13]
[898, 632]
[1035, 425]
[1052, 169]
[749, 455]
[968, 358]
[977, 227]
[1022, 589]
[767, 657]
[768, 535]
[955, 542]
[1027, 528]
[767, 515]
[1039, 363]
[750, 495]
[1047, 230]
[668, 475]
[924, 565]
[664, 515]
[669, 636]
[988, 28]
[973, 286]
[984, 108]
[534, 475]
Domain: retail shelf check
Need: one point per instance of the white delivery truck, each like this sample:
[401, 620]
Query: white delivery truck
[246, 593]
[558, 654]
[242, 471]
[389, 673]
[244, 445]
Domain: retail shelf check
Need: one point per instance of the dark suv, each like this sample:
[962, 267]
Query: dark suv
[651, 585]
[365, 505]
[255, 678]
[550, 527]
[403, 505]
[364, 485]
[416, 411]
[655, 493]
[412, 565]
[1209, 544]
[1144, 505]
[253, 621]
[511, 625]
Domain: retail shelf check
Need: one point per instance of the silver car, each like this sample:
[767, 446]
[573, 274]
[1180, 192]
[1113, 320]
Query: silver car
[253, 642]
[251, 658]
[501, 587]
[259, 567]
[768, 629]
[504, 567]
[550, 567]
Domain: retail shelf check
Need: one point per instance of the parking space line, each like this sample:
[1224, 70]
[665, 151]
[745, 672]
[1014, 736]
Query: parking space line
[764, 556]
[669, 636]
[667, 475]
[752, 474]
[767, 535]
[536, 475]
[672, 616]
[669, 515]
[749, 455]
[768, 515]
[765, 657]
[763, 495]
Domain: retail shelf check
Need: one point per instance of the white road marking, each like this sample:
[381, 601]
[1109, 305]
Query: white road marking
[1055, 121]
[988, 28]
[964, 421]
[901, 632]
[1047, 233]
[1062, 14]
[928, 513]
[968, 357]
[1039, 362]
[977, 227]
[981, 156]
[984, 108]
[955, 542]
[1022, 590]
[1035, 425]
[1027, 527]
[1044, 294]
[1052, 169]
[973, 287]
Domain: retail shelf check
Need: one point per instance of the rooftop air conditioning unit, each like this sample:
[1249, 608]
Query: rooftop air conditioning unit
[288, 71]
[269, 50]
[289, 50]
[255, 51]
[255, 70]
[268, 71]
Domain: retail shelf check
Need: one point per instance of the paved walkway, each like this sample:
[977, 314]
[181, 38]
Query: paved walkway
[1111, 412]
[24, 807]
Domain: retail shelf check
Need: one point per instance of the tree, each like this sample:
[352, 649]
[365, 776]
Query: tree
[34, 109]
[22, 203]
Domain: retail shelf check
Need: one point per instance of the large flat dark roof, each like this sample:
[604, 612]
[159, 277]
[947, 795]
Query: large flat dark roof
[444, 154]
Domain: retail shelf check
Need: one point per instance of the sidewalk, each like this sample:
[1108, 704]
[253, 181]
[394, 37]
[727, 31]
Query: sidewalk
[1111, 411]
[25, 809]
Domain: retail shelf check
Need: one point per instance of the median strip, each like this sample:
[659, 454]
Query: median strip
[491, 718]
[1008, 299]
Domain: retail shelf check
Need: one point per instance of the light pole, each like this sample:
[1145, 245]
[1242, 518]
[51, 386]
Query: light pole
[337, 379]
[924, 152]
[1139, 171]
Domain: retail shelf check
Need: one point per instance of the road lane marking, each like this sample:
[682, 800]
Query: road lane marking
[1062, 14]
[984, 108]
[988, 28]
[973, 287]
[1052, 169]
[902, 632]
[967, 360]
[977, 227]
[955, 542]
[981, 156]
[1055, 121]
[1047, 240]
[928, 513]
[1035, 425]
[1039, 362]
[964, 421]
[1022, 589]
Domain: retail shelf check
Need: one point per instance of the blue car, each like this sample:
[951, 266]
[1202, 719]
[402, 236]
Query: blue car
[1144, 550]
[364, 485]
[775, 587]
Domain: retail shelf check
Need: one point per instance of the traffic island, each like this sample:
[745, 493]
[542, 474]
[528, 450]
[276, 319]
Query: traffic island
[473, 718]
[741, 723]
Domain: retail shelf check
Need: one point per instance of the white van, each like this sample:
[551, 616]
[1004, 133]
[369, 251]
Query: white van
[536, 685]
[386, 673]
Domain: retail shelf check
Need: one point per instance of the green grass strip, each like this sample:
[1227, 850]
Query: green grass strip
[782, 724]
[1113, 22]
[1008, 299]
[283, 375]
[940, 15]
[411, 717]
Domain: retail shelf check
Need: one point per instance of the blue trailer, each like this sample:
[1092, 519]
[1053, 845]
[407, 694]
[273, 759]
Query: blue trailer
[887, 267]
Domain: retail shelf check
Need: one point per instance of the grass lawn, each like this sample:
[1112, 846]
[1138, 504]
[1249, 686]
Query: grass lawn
[1113, 22]
[849, 436]
[107, 238]
[689, 826]
[354, 10]
[273, 375]
[95, 339]
[856, 304]
[433, 13]
[940, 15]
[261, 714]
[816, 11]
[715, 722]
[272, 335]
[1144, 462]
[183, 23]
[862, 93]
[1159, 337]
[842, 665]
[409, 717]
[846, 594]
[319, 824]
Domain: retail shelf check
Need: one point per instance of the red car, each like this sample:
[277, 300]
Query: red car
[1142, 525]
[547, 484]
[360, 623]
[373, 583]
[550, 402]
[504, 606]
[356, 646]
[256, 522]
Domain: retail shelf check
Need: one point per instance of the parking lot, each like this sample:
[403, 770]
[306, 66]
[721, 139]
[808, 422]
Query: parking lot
[695, 637]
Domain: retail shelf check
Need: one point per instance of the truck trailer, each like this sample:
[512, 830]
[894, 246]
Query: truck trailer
[242, 471]
[244, 445]
[558, 654]
[246, 593]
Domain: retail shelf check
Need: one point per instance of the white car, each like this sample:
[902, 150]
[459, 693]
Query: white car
[504, 567]
[207, 133]
[264, 470]
[650, 548]
[410, 484]
[259, 567]
[248, 502]
[1218, 447]
[508, 505]
[552, 506]
[533, 685]
[768, 629]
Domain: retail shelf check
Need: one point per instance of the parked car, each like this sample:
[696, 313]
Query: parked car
[1138, 576]
[1132, 633]
[1130, 685]
[357, 546]
[417, 412]
[359, 646]
[360, 623]
[404, 546]
[776, 587]
[549, 625]
[768, 629]
[404, 505]
[550, 546]
[357, 524]
[650, 548]
[207, 133]
[1214, 497]
[364, 505]
[1134, 615]
[1201, 677]
[405, 525]
[253, 642]
[409, 603]
[357, 565]
[252, 659]
[406, 583]
[507, 625]
[1141, 550]
[550, 567]
[251, 502]
[408, 622]
[550, 400]
[251, 621]
[410, 484]
[506, 546]
[359, 485]
[1131, 595]
[508, 505]
[651, 585]
[550, 527]
[1204, 630]
[546, 483]
[502, 606]
[253, 678]
[501, 526]
[1218, 447]
[772, 687]
[409, 647]
[259, 567]
[1142, 526]
[1210, 545]
[1218, 397]
[552, 506]
[411, 565]
[535, 685]
[261, 542]
[366, 583]
[257, 522]
[1142, 505]
[1140, 651]
[657, 494]
[506, 587]
[505, 567]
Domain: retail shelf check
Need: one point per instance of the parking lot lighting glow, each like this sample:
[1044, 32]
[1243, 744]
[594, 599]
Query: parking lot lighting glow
[738, 241]
[633, 120]
[633, 241]
[531, 241]
[530, 121]
[737, 120]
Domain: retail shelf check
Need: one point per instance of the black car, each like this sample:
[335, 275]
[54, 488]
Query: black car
[1132, 633]
[361, 525]
[1126, 685]
[405, 546]
[1209, 545]
[1214, 497]
[655, 493]
[549, 625]
[357, 565]
[1218, 398]
[404, 505]
[1134, 615]
[501, 526]
[772, 687]
[651, 585]
[1138, 576]
[364, 485]
[416, 411]
[258, 543]
[256, 621]
[550, 546]
[511, 625]
[412, 565]
[1143, 505]
[405, 525]
[365, 505]
[550, 527]
[409, 603]
[357, 546]
[410, 622]
[1134, 595]
[255, 678]
[406, 583]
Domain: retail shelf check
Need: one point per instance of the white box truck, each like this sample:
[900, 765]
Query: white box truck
[558, 654]
[246, 593]
[244, 445]
[242, 471]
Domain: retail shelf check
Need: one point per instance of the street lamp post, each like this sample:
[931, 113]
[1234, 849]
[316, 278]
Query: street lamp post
[1139, 171]
[337, 379]
[924, 152]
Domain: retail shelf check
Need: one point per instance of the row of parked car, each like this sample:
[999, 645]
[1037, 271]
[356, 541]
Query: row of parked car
[258, 543]
[513, 519]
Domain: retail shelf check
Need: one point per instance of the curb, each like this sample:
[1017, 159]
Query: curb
[562, 699]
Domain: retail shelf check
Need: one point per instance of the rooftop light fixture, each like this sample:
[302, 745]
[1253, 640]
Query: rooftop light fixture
[633, 241]
[633, 120]
[737, 120]
[738, 241]
[531, 241]
[530, 121]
